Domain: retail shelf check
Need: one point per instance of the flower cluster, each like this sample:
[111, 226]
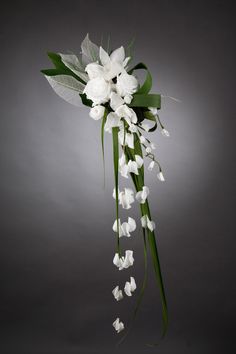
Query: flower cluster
[104, 82]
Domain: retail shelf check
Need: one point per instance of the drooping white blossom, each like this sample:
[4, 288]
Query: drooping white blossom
[153, 110]
[165, 133]
[124, 262]
[118, 325]
[147, 223]
[126, 197]
[148, 150]
[142, 195]
[98, 90]
[130, 287]
[117, 293]
[112, 121]
[97, 112]
[133, 167]
[151, 165]
[153, 146]
[139, 161]
[160, 176]
[126, 138]
[125, 228]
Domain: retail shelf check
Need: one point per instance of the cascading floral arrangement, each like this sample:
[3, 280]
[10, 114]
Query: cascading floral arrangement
[103, 81]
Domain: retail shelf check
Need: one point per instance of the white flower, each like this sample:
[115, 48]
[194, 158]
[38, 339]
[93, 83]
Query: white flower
[145, 126]
[97, 112]
[139, 161]
[151, 165]
[124, 262]
[112, 121]
[146, 223]
[129, 139]
[141, 196]
[142, 140]
[148, 150]
[117, 293]
[113, 64]
[126, 84]
[128, 260]
[118, 325]
[153, 110]
[127, 113]
[160, 176]
[115, 101]
[98, 90]
[126, 197]
[128, 99]
[125, 228]
[130, 287]
[123, 167]
[117, 261]
[165, 132]
[94, 70]
[133, 167]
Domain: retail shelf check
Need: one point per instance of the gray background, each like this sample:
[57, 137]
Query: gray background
[56, 240]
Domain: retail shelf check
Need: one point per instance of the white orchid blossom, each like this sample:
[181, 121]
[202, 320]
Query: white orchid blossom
[117, 293]
[147, 223]
[97, 112]
[130, 287]
[151, 165]
[160, 176]
[126, 197]
[142, 195]
[125, 228]
[133, 167]
[125, 261]
[114, 64]
[165, 133]
[118, 325]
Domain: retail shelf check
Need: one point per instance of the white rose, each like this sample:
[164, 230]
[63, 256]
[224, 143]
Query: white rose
[94, 70]
[126, 84]
[97, 112]
[98, 90]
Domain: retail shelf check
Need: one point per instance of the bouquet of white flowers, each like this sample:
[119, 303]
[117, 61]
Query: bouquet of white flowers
[103, 81]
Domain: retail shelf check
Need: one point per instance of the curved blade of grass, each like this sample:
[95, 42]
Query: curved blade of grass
[102, 142]
[115, 131]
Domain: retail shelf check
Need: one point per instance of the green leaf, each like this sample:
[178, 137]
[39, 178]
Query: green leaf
[85, 100]
[147, 85]
[115, 131]
[146, 100]
[102, 142]
[67, 87]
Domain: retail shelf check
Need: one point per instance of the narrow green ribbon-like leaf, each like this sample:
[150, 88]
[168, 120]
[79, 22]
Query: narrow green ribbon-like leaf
[115, 131]
[147, 85]
[146, 100]
[102, 142]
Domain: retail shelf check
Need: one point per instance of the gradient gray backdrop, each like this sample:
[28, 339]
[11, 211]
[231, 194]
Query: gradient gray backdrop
[56, 240]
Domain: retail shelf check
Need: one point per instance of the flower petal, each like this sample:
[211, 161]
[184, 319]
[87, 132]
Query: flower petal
[118, 55]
